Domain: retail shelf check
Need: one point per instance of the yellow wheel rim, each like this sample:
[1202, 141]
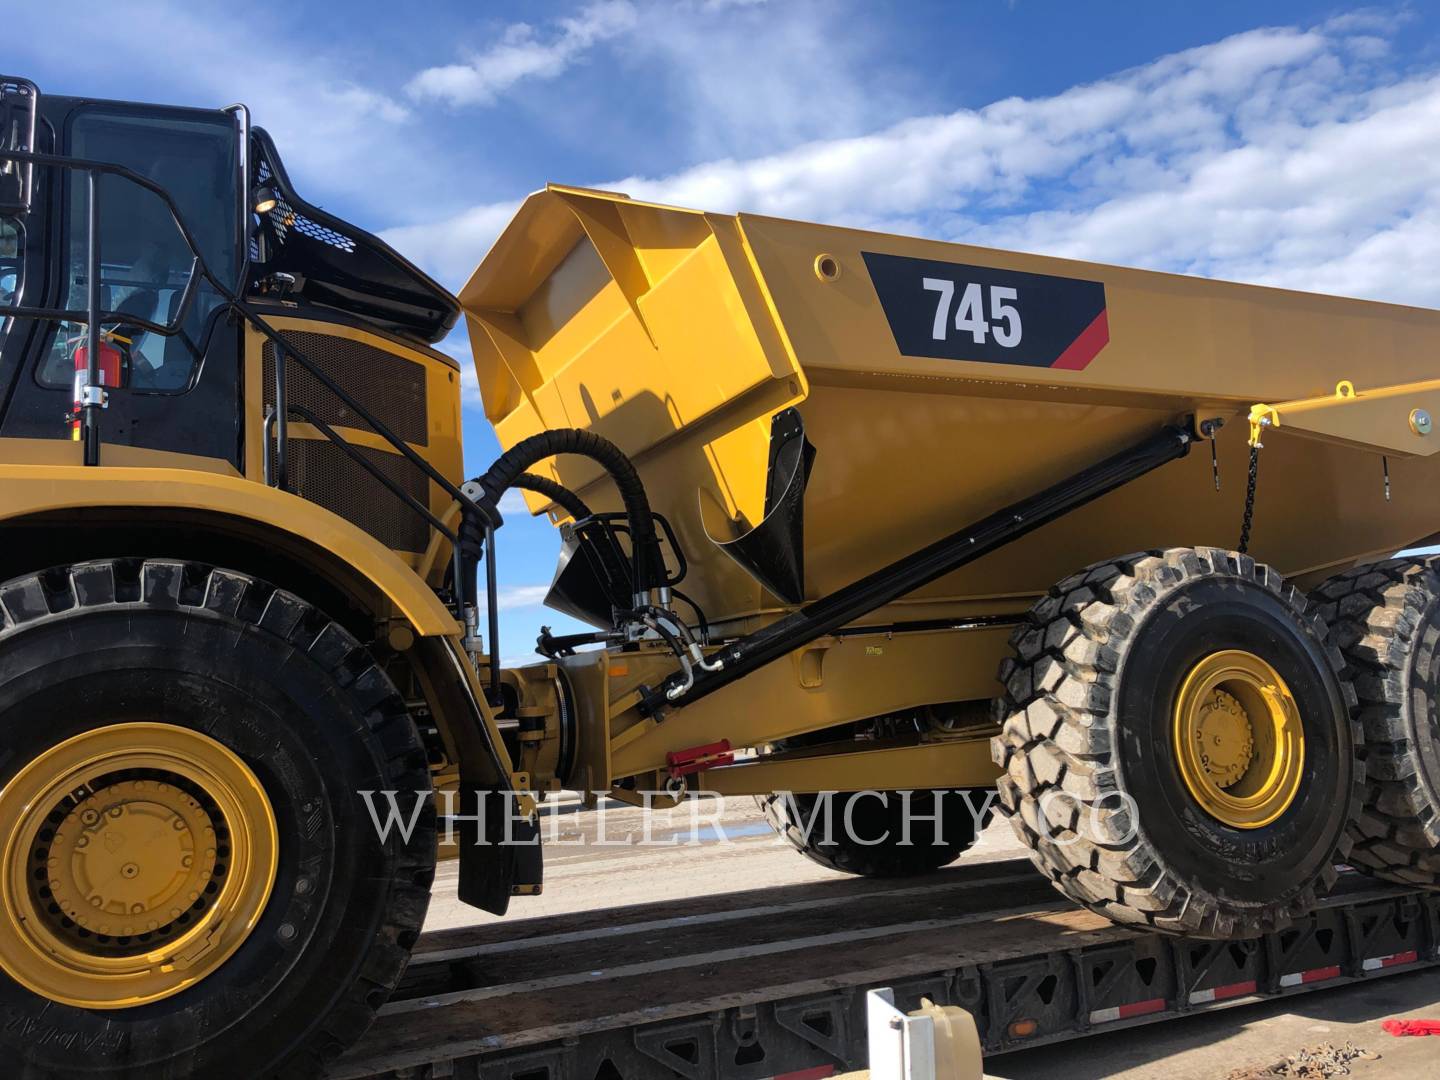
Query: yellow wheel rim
[139, 858]
[1239, 740]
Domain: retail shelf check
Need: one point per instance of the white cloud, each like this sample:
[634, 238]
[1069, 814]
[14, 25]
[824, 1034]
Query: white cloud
[451, 248]
[511, 597]
[524, 53]
[732, 78]
[332, 129]
[457, 345]
[469, 378]
[513, 503]
[749, 80]
[1279, 156]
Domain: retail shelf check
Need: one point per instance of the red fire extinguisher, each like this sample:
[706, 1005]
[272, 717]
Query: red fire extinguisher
[113, 368]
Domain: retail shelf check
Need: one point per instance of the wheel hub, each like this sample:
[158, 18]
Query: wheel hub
[131, 858]
[141, 857]
[1238, 739]
[1224, 739]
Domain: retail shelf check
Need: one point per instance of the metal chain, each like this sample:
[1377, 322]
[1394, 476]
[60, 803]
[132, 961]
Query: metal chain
[1249, 514]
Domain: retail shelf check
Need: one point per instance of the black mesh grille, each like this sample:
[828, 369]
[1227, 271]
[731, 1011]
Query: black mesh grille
[321, 472]
[284, 217]
[390, 387]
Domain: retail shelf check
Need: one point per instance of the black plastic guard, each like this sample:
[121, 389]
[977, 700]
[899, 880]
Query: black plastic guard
[500, 852]
[592, 577]
[773, 552]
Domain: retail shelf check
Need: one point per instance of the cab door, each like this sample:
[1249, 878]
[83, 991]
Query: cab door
[178, 394]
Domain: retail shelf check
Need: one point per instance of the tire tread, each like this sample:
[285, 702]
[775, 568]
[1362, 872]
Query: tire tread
[1055, 738]
[1375, 613]
[261, 608]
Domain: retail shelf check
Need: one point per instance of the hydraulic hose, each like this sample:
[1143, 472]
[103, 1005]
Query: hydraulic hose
[559, 494]
[648, 565]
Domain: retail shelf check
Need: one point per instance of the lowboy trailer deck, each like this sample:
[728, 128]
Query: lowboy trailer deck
[754, 985]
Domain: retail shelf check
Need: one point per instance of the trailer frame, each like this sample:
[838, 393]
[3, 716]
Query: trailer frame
[1051, 974]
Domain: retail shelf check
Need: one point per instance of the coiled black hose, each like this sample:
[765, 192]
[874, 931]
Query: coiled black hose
[648, 565]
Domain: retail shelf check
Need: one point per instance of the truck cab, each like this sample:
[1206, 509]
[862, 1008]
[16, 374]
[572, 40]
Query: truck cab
[186, 385]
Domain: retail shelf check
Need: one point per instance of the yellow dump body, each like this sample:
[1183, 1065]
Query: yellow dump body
[939, 382]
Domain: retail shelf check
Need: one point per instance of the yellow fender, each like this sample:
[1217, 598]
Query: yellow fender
[237, 505]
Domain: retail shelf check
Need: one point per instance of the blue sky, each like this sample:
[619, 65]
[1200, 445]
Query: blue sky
[1283, 143]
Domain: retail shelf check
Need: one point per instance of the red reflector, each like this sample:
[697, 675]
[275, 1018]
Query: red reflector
[820, 1072]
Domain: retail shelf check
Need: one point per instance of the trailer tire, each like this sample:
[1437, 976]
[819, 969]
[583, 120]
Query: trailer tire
[212, 734]
[876, 847]
[1385, 619]
[1122, 675]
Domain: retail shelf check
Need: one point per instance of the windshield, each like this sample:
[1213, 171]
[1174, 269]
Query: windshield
[12, 254]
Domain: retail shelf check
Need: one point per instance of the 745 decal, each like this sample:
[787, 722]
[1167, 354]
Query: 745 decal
[969, 316]
[957, 312]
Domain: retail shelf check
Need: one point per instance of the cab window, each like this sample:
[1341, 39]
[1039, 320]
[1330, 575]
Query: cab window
[144, 260]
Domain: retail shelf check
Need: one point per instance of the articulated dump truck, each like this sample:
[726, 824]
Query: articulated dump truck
[846, 512]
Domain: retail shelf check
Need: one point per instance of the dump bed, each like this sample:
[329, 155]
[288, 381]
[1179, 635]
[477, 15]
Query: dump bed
[937, 382]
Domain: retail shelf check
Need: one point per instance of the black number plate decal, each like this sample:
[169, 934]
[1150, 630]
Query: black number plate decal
[957, 312]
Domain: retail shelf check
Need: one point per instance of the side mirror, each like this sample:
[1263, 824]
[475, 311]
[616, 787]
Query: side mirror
[19, 99]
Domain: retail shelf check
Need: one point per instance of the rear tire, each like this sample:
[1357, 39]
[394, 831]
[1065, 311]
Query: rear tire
[1385, 618]
[133, 655]
[1099, 748]
[874, 845]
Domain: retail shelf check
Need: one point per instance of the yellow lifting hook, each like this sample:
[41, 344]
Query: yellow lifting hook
[1263, 416]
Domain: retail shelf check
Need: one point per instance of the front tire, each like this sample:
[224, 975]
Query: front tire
[1177, 744]
[193, 716]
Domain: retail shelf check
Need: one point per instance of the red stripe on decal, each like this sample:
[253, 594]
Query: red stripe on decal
[819, 1072]
[1087, 346]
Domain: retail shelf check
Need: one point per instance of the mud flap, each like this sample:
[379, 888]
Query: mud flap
[592, 576]
[500, 853]
[494, 865]
[773, 552]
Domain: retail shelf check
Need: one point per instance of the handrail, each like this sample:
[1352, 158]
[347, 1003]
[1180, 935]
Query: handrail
[93, 395]
[93, 316]
[31, 93]
[276, 416]
[241, 112]
[231, 299]
[374, 470]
